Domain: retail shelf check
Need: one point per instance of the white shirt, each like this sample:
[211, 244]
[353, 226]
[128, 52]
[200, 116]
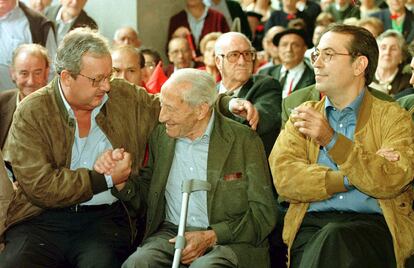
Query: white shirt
[14, 31]
[293, 78]
[196, 25]
[223, 89]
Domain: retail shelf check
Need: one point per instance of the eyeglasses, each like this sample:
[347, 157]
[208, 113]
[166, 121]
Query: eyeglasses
[150, 64]
[234, 56]
[326, 55]
[98, 81]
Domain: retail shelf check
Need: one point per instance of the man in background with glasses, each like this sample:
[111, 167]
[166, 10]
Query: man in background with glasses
[345, 163]
[235, 58]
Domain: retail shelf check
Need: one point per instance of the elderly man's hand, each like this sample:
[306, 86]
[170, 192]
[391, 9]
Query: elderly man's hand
[388, 153]
[116, 163]
[246, 110]
[197, 243]
[312, 124]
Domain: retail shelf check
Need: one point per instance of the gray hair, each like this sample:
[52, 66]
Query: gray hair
[77, 43]
[202, 86]
[31, 49]
[226, 38]
[400, 40]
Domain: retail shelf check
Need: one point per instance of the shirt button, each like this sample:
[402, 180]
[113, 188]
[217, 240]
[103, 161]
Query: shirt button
[84, 163]
[341, 197]
[191, 168]
[340, 125]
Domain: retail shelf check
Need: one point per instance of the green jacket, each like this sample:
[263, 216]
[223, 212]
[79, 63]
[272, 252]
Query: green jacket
[407, 102]
[242, 212]
[41, 140]
[301, 180]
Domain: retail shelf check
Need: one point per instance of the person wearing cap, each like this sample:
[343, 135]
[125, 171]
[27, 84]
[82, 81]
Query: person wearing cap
[294, 73]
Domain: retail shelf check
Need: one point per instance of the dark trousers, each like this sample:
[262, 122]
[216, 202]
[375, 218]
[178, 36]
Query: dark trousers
[60, 238]
[333, 239]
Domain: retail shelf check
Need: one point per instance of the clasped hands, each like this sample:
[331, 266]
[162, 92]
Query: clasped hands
[116, 163]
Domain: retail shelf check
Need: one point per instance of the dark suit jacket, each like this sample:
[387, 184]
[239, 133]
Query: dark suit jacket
[237, 12]
[311, 94]
[400, 82]
[241, 211]
[266, 95]
[408, 24]
[8, 99]
[81, 21]
[307, 78]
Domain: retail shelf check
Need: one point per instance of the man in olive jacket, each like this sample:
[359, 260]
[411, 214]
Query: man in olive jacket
[229, 225]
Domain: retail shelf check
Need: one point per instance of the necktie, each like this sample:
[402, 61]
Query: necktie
[283, 79]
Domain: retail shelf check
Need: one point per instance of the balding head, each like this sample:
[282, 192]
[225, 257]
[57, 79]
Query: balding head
[29, 68]
[127, 36]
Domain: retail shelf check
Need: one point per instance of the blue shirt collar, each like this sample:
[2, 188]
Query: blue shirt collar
[354, 106]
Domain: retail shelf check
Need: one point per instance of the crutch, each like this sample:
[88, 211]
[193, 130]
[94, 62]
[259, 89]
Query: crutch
[187, 188]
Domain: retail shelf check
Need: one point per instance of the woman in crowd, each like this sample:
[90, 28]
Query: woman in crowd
[389, 77]
[207, 49]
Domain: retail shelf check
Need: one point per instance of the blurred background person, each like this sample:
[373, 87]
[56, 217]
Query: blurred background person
[231, 10]
[126, 36]
[373, 25]
[397, 17]
[270, 54]
[310, 8]
[286, 14]
[207, 50]
[21, 25]
[29, 70]
[127, 63]
[39, 5]
[152, 58]
[389, 77]
[262, 7]
[322, 22]
[68, 16]
[367, 8]
[257, 29]
[179, 54]
[198, 20]
[343, 9]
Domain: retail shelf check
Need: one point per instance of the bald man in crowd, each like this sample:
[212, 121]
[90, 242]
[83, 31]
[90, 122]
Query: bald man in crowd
[29, 71]
[127, 36]
[127, 63]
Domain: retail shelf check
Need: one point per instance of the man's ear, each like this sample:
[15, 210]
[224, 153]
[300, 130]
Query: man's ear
[218, 60]
[203, 110]
[360, 65]
[65, 77]
[12, 74]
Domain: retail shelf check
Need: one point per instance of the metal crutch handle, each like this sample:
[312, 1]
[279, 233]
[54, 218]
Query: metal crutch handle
[187, 188]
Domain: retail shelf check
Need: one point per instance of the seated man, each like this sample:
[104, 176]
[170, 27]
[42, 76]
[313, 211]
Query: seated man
[294, 72]
[29, 70]
[345, 164]
[127, 63]
[227, 226]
